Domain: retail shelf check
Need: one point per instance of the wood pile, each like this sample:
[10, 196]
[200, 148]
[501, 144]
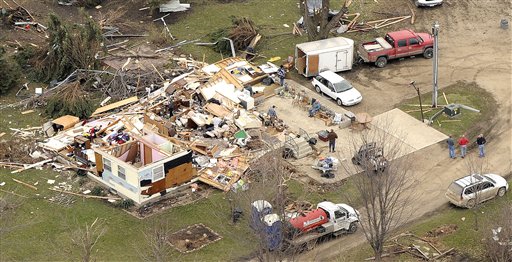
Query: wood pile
[349, 23]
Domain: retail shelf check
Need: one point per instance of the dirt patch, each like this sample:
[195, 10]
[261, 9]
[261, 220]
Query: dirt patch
[442, 230]
[193, 238]
[181, 197]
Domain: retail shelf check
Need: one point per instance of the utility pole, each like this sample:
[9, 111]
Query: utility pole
[435, 33]
[419, 96]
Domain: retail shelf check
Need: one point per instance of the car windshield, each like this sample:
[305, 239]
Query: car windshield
[342, 86]
[490, 179]
[455, 188]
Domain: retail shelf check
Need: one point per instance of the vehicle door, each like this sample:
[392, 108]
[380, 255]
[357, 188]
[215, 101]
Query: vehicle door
[414, 46]
[341, 219]
[330, 90]
[401, 48]
[342, 60]
[469, 193]
[487, 191]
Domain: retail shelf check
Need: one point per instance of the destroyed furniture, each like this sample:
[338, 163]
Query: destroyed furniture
[144, 167]
[371, 156]
[327, 166]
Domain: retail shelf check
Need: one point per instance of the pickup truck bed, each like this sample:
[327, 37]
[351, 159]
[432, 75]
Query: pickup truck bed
[395, 45]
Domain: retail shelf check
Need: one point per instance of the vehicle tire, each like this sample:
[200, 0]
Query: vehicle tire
[339, 102]
[310, 245]
[381, 62]
[471, 203]
[428, 53]
[318, 90]
[502, 191]
[352, 228]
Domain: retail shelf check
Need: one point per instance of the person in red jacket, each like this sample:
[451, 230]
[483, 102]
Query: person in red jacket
[463, 143]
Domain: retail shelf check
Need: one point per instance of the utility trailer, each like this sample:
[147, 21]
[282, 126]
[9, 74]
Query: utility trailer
[334, 54]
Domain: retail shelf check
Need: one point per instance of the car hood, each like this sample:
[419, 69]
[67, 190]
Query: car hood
[351, 210]
[349, 95]
[427, 38]
[500, 181]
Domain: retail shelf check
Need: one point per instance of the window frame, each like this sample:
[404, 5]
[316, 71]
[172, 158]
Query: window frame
[122, 174]
[154, 179]
[404, 41]
[415, 39]
[105, 165]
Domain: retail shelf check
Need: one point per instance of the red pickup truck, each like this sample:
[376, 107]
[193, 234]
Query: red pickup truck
[395, 45]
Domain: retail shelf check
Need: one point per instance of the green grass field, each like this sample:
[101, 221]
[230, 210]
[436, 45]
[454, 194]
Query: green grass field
[469, 122]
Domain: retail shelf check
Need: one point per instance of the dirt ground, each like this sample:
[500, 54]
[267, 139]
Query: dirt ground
[472, 48]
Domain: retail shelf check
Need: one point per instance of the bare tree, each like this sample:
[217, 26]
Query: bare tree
[267, 180]
[87, 237]
[475, 168]
[498, 236]
[156, 236]
[384, 187]
[317, 22]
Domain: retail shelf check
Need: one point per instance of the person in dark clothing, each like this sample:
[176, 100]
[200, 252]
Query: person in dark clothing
[171, 107]
[480, 141]
[281, 73]
[451, 146]
[332, 140]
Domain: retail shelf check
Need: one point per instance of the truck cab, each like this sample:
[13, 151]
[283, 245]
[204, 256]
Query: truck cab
[342, 217]
[397, 44]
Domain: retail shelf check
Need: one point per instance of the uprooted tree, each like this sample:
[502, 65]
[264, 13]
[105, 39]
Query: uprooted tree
[69, 48]
[316, 17]
[384, 187]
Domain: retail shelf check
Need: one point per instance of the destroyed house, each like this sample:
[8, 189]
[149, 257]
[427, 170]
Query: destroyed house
[143, 168]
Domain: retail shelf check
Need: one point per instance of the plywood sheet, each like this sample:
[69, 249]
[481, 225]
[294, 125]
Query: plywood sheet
[115, 105]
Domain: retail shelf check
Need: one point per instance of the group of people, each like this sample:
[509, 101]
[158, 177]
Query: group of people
[463, 143]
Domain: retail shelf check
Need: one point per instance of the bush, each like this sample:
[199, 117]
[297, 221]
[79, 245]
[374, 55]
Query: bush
[125, 203]
[9, 72]
[98, 191]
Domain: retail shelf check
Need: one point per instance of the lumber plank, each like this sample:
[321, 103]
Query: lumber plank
[25, 184]
[82, 195]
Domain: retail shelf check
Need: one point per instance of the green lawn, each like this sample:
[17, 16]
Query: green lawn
[469, 122]
[466, 240]
[41, 229]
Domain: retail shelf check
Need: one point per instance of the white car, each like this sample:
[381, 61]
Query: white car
[471, 190]
[428, 3]
[336, 87]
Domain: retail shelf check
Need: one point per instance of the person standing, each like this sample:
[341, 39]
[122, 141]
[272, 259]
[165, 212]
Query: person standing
[272, 114]
[332, 136]
[480, 141]
[281, 73]
[451, 146]
[463, 143]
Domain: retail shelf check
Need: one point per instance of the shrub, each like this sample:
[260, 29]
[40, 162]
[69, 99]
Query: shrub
[98, 191]
[125, 203]
[9, 72]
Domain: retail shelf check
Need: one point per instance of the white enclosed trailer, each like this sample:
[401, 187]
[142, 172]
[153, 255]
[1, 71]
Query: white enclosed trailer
[335, 54]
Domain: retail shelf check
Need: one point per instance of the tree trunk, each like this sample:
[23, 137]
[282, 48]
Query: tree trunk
[317, 26]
